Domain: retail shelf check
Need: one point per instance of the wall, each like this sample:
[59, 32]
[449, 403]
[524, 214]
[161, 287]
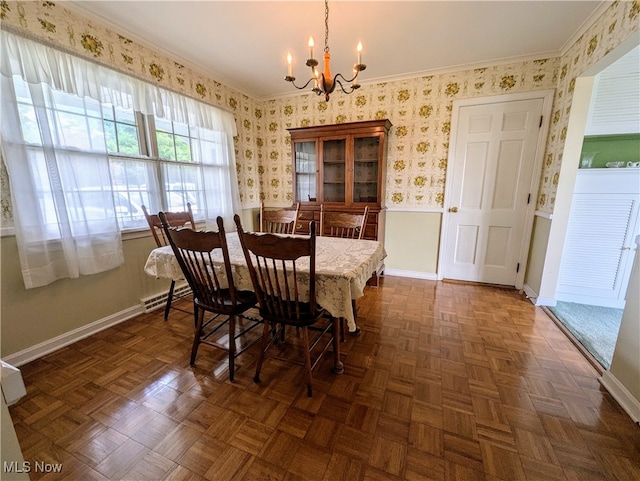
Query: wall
[623, 378]
[411, 242]
[30, 317]
[10, 448]
[625, 364]
[537, 253]
[420, 111]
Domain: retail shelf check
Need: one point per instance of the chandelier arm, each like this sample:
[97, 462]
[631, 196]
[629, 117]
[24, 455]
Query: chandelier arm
[303, 86]
[342, 86]
[339, 75]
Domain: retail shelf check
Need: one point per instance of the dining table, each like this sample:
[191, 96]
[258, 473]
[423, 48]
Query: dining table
[343, 267]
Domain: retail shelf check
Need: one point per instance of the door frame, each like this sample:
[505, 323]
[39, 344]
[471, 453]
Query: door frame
[547, 97]
[571, 150]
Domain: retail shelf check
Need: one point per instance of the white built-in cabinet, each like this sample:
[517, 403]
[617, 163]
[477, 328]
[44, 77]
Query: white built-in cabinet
[615, 102]
[599, 247]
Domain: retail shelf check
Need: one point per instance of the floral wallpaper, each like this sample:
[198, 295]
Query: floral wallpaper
[419, 108]
[614, 26]
[55, 24]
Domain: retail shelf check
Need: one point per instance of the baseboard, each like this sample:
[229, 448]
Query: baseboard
[621, 394]
[591, 300]
[413, 274]
[546, 301]
[537, 300]
[51, 345]
[530, 293]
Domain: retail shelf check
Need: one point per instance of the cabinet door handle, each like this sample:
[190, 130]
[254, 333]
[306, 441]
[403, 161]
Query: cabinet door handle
[453, 209]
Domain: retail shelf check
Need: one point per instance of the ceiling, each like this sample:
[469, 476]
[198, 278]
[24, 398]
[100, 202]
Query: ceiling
[244, 44]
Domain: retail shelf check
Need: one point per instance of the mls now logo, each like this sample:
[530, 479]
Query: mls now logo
[27, 467]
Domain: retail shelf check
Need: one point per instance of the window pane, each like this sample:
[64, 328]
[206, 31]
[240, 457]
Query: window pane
[166, 147]
[183, 149]
[110, 135]
[133, 181]
[174, 141]
[163, 125]
[122, 134]
[107, 112]
[97, 135]
[128, 139]
[67, 103]
[30, 131]
[125, 116]
[73, 130]
[181, 129]
[183, 185]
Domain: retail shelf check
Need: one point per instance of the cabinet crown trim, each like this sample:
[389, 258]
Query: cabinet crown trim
[383, 125]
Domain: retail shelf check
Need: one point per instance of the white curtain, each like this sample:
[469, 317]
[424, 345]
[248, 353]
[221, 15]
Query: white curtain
[219, 177]
[63, 208]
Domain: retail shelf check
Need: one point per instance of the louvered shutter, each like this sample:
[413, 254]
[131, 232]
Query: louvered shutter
[615, 103]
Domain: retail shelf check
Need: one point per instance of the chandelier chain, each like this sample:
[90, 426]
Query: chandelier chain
[326, 26]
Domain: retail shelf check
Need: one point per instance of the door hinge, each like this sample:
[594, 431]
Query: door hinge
[528, 199]
[518, 267]
[541, 117]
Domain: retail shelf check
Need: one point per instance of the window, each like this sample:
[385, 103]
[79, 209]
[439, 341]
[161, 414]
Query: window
[158, 163]
[161, 170]
[86, 146]
[79, 138]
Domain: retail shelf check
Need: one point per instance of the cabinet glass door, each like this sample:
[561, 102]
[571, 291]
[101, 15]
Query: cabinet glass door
[334, 155]
[366, 151]
[306, 166]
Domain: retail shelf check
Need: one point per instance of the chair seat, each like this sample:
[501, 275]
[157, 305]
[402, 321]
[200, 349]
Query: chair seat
[284, 299]
[307, 315]
[213, 291]
[244, 301]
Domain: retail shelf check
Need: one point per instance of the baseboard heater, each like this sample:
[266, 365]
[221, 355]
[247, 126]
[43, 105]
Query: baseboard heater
[158, 301]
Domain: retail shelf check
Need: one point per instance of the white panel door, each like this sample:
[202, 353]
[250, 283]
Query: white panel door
[494, 161]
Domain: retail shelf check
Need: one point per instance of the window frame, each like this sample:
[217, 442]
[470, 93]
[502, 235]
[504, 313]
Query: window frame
[146, 129]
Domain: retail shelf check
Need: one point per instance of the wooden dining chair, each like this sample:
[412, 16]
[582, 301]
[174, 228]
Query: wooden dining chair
[347, 225]
[279, 221]
[213, 291]
[174, 219]
[343, 224]
[285, 299]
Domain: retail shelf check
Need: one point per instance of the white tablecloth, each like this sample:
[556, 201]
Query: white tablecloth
[343, 267]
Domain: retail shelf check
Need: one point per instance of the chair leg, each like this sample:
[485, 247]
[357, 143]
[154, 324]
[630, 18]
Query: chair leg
[263, 347]
[232, 346]
[338, 366]
[307, 359]
[169, 299]
[197, 332]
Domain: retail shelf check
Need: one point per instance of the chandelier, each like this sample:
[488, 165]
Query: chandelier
[324, 82]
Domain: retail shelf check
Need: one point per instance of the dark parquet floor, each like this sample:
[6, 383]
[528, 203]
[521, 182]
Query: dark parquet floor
[446, 381]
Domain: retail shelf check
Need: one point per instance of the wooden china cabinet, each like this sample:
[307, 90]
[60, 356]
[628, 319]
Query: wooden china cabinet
[342, 166]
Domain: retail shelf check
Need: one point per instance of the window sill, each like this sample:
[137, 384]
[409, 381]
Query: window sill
[128, 234]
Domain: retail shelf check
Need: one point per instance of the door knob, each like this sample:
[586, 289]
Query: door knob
[453, 209]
